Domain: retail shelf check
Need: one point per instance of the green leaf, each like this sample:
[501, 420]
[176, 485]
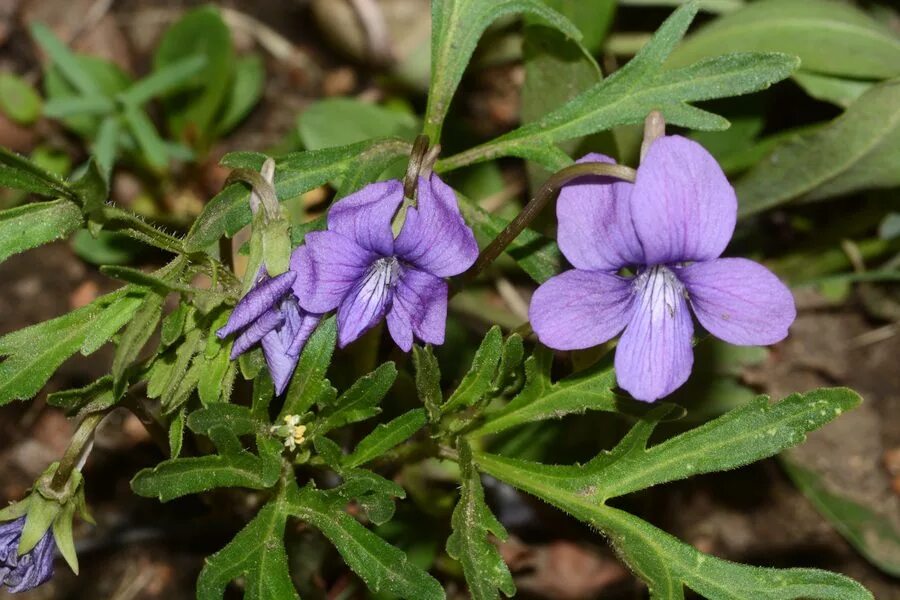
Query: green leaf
[257, 555]
[93, 397]
[752, 432]
[374, 494]
[744, 435]
[68, 64]
[542, 399]
[144, 131]
[385, 437]
[872, 534]
[115, 317]
[233, 466]
[176, 434]
[19, 100]
[381, 566]
[106, 144]
[163, 80]
[109, 79]
[593, 18]
[632, 92]
[345, 121]
[19, 173]
[480, 378]
[428, 381]
[202, 32]
[359, 402]
[32, 225]
[91, 187]
[137, 333]
[34, 353]
[247, 85]
[309, 383]
[295, 174]
[831, 38]
[73, 106]
[456, 27]
[472, 523]
[539, 256]
[837, 90]
[173, 324]
[858, 150]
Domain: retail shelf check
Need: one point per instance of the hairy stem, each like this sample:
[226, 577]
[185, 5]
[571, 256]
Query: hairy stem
[76, 451]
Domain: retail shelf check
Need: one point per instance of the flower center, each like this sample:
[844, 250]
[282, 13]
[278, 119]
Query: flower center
[659, 289]
[384, 273]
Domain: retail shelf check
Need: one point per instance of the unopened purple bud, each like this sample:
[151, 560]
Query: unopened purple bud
[26, 572]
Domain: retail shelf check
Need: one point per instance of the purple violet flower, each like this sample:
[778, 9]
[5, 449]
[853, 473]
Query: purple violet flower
[270, 314]
[360, 269]
[669, 229]
[22, 573]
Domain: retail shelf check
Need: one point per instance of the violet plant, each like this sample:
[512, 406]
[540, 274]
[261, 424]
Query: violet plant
[236, 379]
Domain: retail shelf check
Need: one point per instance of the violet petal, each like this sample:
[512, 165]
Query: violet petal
[682, 205]
[595, 228]
[739, 301]
[327, 268]
[367, 301]
[258, 300]
[654, 355]
[256, 331]
[581, 309]
[435, 238]
[365, 216]
[419, 309]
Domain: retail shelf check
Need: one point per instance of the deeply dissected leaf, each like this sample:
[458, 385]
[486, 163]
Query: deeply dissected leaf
[858, 150]
[295, 174]
[472, 523]
[456, 27]
[32, 225]
[33, 354]
[629, 94]
[233, 466]
[830, 37]
[115, 317]
[385, 437]
[360, 401]
[746, 434]
[258, 555]
[137, 333]
[542, 399]
[381, 566]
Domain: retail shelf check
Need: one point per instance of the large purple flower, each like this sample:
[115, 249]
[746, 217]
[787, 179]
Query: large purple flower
[270, 314]
[360, 269]
[22, 573]
[669, 229]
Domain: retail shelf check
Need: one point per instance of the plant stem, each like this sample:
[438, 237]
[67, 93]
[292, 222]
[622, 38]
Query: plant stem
[537, 204]
[80, 444]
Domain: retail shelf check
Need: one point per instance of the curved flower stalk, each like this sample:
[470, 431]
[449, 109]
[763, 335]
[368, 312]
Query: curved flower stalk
[26, 572]
[669, 228]
[270, 315]
[359, 268]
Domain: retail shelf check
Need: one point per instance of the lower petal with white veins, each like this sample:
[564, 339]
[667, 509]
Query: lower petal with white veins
[419, 309]
[368, 300]
[654, 355]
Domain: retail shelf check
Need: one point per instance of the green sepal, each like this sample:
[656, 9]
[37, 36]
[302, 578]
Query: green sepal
[62, 533]
[41, 514]
[15, 510]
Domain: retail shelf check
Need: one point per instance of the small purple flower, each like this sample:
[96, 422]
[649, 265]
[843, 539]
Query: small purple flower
[270, 314]
[22, 573]
[360, 269]
[669, 228]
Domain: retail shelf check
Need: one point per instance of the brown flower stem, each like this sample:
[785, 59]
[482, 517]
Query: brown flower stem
[537, 204]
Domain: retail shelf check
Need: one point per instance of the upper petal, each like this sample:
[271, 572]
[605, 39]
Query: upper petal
[580, 309]
[682, 205]
[419, 308]
[595, 228]
[435, 238]
[327, 267]
[365, 216]
[654, 356]
[739, 301]
[258, 300]
[367, 301]
[268, 321]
